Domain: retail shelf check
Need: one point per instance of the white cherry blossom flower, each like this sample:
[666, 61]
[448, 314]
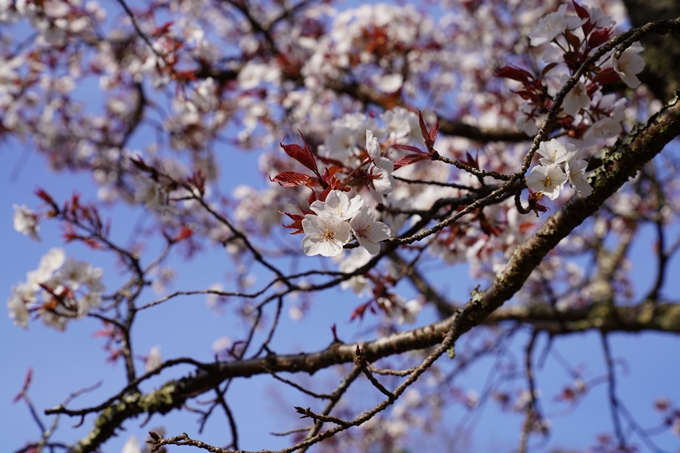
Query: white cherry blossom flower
[601, 129]
[93, 281]
[17, 309]
[548, 179]
[576, 99]
[87, 302]
[49, 263]
[154, 359]
[549, 27]
[381, 184]
[555, 153]
[598, 18]
[357, 258]
[131, 446]
[373, 149]
[339, 204]
[629, 64]
[402, 124]
[26, 222]
[525, 121]
[325, 234]
[341, 142]
[55, 320]
[388, 83]
[74, 273]
[149, 192]
[368, 231]
[576, 172]
[409, 312]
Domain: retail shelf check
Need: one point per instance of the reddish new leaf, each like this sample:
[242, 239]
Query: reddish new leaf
[434, 132]
[605, 77]
[302, 155]
[360, 311]
[185, 233]
[297, 222]
[408, 148]
[572, 39]
[581, 11]
[600, 37]
[547, 69]
[291, 179]
[518, 74]
[410, 159]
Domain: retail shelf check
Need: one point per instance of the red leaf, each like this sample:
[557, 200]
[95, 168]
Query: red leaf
[325, 193]
[573, 40]
[430, 136]
[600, 37]
[434, 131]
[328, 172]
[408, 148]
[297, 222]
[547, 69]
[45, 197]
[185, 233]
[423, 127]
[360, 311]
[472, 162]
[606, 76]
[581, 11]
[291, 179]
[410, 159]
[163, 29]
[518, 74]
[302, 155]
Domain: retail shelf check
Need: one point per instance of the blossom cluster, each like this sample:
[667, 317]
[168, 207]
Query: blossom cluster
[559, 164]
[59, 290]
[333, 222]
[566, 41]
[26, 222]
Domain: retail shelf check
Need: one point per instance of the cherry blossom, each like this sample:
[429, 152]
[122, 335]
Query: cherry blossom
[576, 99]
[368, 231]
[18, 309]
[410, 312]
[154, 359]
[576, 172]
[26, 222]
[548, 180]
[57, 281]
[375, 153]
[551, 25]
[629, 64]
[356, 258]
[554, 152]
[325, 234]
[149, 192]
[337, 203]
[74, 272]
[526, 121]
[131, 446]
